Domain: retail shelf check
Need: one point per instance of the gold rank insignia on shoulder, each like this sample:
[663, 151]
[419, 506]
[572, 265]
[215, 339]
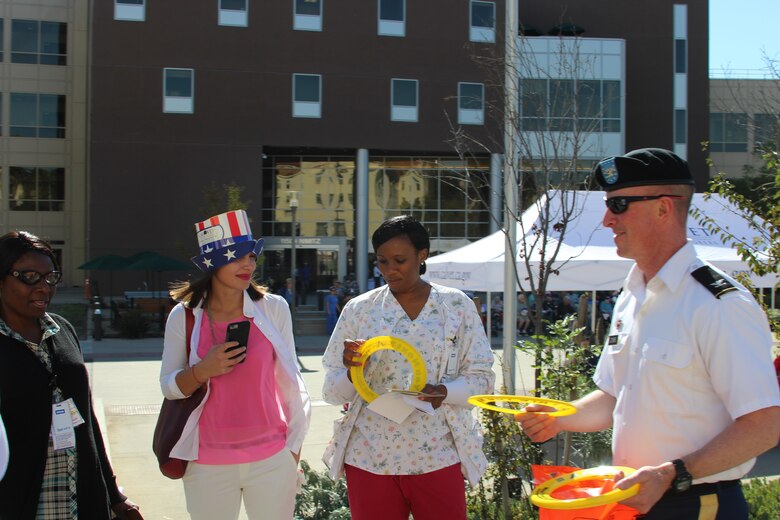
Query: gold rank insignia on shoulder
[713, 281]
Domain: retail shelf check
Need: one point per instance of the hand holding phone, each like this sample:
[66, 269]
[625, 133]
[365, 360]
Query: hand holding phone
[238, 331]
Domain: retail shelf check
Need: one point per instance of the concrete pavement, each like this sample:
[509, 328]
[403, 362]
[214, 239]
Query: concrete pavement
[125, 386]
[124, 375]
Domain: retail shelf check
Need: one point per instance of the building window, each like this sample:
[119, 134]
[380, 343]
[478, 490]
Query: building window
[680, 56]
[36, 189]
[444, 193]
[307, 95]
[728, 132]
[38, 42]
[483, 22]
[233, 13]
[565, 105]
[471, 103]
[766, 131]
[37, 115]
[404, 100]
[392, 18]
[130, 10]
[2, 38]
[308, 15]
[680, 126]
[179, 91]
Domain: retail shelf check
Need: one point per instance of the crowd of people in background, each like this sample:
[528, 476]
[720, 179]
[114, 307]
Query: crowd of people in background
[555, 306]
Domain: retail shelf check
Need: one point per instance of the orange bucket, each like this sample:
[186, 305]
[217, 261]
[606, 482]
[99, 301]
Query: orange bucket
[582, 489]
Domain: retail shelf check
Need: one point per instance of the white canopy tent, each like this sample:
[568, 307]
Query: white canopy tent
[587, 259]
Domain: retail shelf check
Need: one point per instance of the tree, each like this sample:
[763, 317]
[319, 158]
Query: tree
[756, 195]
[553, 114]
[558, 122]
[761, 212]
[227, 197]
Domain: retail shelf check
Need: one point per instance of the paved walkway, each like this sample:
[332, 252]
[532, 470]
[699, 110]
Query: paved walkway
[125, 387]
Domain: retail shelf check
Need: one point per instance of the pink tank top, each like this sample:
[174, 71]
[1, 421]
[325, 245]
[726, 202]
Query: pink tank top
[243, 420]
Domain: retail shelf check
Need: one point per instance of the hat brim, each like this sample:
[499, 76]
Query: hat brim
[225, 255]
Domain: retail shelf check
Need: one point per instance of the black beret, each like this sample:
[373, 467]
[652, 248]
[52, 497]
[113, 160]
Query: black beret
[643, 167]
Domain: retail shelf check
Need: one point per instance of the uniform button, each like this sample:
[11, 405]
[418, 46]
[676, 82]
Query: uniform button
[630, 387]
[663, 357]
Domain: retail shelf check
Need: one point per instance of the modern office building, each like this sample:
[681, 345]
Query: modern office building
[745, 114]
[333, 116]
[43, 124]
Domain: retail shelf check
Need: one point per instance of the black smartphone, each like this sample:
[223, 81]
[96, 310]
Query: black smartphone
[238, 331]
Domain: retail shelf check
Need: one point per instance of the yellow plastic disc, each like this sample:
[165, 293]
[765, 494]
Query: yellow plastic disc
[419, 374]
[486, 401]
[541, 496]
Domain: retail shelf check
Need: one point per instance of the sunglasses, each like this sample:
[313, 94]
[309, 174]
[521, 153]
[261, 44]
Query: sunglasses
[30, 277]
[618, 205]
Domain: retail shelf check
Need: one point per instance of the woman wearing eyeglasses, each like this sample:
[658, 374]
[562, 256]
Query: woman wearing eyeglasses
[43, 390]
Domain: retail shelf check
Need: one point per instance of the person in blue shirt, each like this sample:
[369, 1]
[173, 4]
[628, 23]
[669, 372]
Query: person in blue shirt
[332, 309]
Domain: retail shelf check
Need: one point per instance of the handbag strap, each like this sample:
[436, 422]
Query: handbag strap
[190, 324]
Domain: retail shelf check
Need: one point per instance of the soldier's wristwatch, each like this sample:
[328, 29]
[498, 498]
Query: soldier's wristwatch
[682, 479]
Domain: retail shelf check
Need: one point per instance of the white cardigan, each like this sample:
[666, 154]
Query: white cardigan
[271, 315]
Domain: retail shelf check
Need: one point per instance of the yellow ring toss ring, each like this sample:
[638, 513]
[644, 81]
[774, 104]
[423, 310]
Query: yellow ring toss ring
[541, 496]
[486, 401]
[419, 374]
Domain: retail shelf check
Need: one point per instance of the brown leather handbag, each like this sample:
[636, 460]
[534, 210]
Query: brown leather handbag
[173, 416]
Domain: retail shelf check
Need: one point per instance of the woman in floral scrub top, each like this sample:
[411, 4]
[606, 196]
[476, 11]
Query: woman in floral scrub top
[417, 466]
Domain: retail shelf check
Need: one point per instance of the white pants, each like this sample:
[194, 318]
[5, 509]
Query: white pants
[267, 487]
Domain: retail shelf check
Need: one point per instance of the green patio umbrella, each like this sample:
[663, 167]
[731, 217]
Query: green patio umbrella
[106, 263]
[152, 261]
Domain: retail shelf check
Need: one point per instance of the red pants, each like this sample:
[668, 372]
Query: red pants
[429, 496]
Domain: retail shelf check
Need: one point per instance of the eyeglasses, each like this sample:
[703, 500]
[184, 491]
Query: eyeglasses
[618, 205]
[30, 277]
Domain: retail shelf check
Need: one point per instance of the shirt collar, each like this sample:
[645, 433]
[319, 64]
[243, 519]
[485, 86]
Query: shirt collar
[671, 273]
[48, 326]
[676, 268]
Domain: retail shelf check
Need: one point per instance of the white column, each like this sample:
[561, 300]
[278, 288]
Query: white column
[361, 219]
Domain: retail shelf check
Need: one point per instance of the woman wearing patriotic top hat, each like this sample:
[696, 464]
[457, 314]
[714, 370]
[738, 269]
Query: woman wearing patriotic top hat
[246, 436]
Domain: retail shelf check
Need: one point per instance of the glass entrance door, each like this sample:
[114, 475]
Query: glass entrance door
[327, 269]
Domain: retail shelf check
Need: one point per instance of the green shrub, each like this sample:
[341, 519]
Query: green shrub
[321, 498]
[774, 318]
[763, 498]
[133, 324]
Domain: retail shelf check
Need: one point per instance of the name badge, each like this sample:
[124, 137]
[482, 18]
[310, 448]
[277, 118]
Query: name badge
[452, 360]
[75, 416]
[62, 433]
[613, 340]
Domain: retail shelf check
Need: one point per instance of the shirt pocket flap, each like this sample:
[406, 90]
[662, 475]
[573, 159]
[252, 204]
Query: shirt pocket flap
[670, 353]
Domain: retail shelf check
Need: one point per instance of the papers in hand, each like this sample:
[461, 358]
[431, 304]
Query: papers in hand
[416, 394]
[398, 405]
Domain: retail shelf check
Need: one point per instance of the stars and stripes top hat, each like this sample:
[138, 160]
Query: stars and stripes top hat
[224, 238]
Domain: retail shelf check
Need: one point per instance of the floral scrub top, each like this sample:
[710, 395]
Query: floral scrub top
[422, 443]
[447, 325]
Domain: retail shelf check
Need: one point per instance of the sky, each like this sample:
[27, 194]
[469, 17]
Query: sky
[741, 31]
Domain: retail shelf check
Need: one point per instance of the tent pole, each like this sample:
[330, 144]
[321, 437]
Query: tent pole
[594, 310]
[489, 323]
